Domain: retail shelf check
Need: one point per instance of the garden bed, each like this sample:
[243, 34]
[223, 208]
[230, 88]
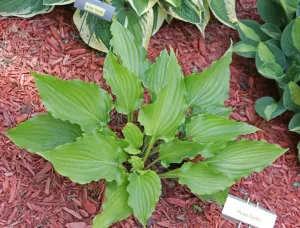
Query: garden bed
[33, 195]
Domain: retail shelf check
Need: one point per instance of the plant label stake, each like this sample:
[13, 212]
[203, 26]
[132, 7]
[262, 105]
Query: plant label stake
[240, 211]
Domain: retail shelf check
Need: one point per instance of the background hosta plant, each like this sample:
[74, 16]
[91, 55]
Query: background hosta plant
[141, 18]
[275, 46]
[75, 138]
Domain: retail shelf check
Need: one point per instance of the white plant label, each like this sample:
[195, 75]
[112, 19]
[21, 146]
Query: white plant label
[238, 210]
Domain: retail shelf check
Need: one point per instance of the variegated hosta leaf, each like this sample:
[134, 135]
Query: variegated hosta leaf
[124, 85]
[268, 108]
[144, 190]
[291, 97]
[158, 18]
[290, 41]
[271, 30]
[245, 48]
[142, 6]
[79, 102]
[162, 118]
[23, 8]
[224, 10]
[239, 159]
[290, 7]
[204, 18]
[175, 3]
[134, 137]
[250, 30]
[44, 132]
[57, 2]
[294, 124]
[115, 208]
[271, 12]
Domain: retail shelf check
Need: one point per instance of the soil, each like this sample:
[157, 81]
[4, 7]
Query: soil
[32, 194]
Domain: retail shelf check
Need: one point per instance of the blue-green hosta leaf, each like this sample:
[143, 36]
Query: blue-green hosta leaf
[207, 128]
[290, 38]
[275, 43]
[245, 49]
[224, 10]
[271, 12]
[144, 190]
[292, 74]
[271, 70]
[132, 54]
[250, 30]
[240, 159]
[162, 118]
[209, 88]
[294, 124]
[90, 158]
[57, 2]
[115, 208]
[23, 8]
[43, 132]
[176, 150]
[136, 162]
[268, 108]
[218, 197]
[271, 30]
[93, 30]
[290, 7]
[79, 102]
[291, 97]
[142, 6]
[200, 178]
[134, 137]
[158, 18]
[124, 84]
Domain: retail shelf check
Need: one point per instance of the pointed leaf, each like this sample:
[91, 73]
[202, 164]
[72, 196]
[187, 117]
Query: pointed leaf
[271, 70]
[134, 137]
[206, 128]
[136, 162]
[159, 17]
[90, 158]
[245, 49]
[115, 208]
[271, 12]
[163, 118]
[271, 30]
[204, 18]
[290, 7]
[176, 150]
[218, 197]
[57, 2]
[43, 132]
[289, 39]
[74, 100]
[268, 108]
[250, 30]
[291, 97]
[124, 84]
[144, 190]
[240, 159]
[142, 6]
[294, 124]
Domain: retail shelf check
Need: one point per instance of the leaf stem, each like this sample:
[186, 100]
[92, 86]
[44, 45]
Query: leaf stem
[152, 163]
[130, 117]
[152, 141]
[170, 174]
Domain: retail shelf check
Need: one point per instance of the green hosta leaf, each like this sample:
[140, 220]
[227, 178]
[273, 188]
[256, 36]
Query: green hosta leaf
[224, 10]
[134, 137]
[217, 110]
[219, 197]
[214, 148]
[271, 12]
[206, 128]
[268, 108]
[239, 159]
[271, 30]
[163, 118]
[57, 2]
[291, 97]
[156, 77]
[43, 132]
[90, 158]
[108, 132]
[250, 30]
[124, 84]
[93, 30]
[142, 6]
[290, 7]
[74, 100]
[158, 18]
[298, 11]
[176, 150]
[200, 178]
[290, 38]
[209, 88]
[132, 54]
[245, 49]
[115, 208]
[175, 3]
[136, 162]
[271, 70]
[144, 190]
[23, 8]
[294, 124]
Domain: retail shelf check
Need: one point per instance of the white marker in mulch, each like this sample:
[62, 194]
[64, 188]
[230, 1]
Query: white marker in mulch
[240, 211]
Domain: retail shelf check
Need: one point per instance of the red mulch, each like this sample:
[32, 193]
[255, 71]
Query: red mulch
[33, 195]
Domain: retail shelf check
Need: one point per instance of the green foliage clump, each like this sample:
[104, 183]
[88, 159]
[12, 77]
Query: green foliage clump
[185, 118]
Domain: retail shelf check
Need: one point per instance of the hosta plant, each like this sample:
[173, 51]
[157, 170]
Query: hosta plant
[184, 119]
[142, 18]
[275, 46]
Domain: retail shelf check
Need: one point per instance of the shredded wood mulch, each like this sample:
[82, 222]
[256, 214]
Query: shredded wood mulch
[32, 194]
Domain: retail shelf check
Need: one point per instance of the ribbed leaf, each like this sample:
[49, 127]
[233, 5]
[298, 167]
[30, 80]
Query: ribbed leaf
[245, 49]
[268, 108]
[239, 159]
[23, 8]
[291, 97]
[144, 190]
[209, 88]
[290, 38]
[142, 6]
[74, 100]
[271, 30]
[90, 158]
[175, 3]
[271, 12]
[132, 54]
[206, 128]
[43, 132]
[115, 208]
[204, 18]
[136, 163]
[57, 2]
[134, 137]
[217, 110]
[219, 197]
[176, 150]
[158, 18]
[124, 84]
[294, 124]
[250, 30]
[163, 118]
